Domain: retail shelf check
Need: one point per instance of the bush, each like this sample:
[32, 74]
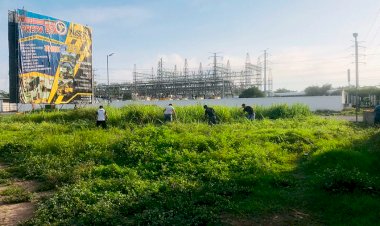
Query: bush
[341, 180]
[252, 92]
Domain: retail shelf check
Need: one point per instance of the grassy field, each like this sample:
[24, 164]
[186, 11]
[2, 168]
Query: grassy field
[288, 168]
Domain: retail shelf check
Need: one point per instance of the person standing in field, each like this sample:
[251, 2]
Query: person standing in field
[101, 117]
[210, 115]
[169, 111]
[250, 112]
[377, 115]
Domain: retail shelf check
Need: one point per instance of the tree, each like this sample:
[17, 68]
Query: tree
[317, 91]
[252, 92]
[127, 96]
[4, 94]
[283, 90]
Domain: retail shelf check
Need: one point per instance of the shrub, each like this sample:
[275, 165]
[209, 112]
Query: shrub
[342, 180]
[143, 114]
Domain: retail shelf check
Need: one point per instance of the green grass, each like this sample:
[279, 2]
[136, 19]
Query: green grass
[4, 176]
[15, 195]
[142, 172]
[142, 114]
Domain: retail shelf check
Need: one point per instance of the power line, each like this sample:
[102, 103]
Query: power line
[373, 24]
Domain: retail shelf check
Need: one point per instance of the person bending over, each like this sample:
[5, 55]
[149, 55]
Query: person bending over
[210, 115]
[249, 111]
[169, 111]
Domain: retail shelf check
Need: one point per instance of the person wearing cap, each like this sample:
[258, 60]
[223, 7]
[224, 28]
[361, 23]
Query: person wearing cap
[210, 115]
[169, 111]
[101, 117]
[249, 111]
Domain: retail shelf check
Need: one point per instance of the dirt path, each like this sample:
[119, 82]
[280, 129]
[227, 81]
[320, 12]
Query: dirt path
[18, 198]
[351, 118]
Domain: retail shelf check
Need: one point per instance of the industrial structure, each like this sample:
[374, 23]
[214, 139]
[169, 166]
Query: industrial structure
[217, 81]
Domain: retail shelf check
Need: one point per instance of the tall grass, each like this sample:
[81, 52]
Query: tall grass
[139, 172]
[142, 114]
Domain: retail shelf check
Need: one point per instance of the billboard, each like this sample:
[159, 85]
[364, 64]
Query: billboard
[54, 60]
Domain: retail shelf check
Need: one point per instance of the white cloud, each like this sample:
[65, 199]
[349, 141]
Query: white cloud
[123, 15]
[299, 67]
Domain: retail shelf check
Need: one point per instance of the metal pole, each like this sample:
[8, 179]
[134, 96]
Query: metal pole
[108, 82]
[265, 72]
[108, 79]
[93, 86]
[357, 74]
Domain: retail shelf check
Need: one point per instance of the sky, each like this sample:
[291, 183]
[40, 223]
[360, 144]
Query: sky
[309, 42]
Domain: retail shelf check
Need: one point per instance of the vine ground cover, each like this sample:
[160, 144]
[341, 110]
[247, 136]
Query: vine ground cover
[307, 169]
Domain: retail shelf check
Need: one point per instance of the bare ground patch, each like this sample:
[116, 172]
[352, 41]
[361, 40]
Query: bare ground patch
[12, 211]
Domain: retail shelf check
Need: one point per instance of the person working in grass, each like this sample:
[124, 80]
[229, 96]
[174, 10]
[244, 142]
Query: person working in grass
[101, 117]
[377, 115]
[210, 115]
[249, 111]
[169, 111]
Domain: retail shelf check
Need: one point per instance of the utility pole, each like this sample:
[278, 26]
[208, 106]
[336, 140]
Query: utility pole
[214, 86]
[349, 77]
[200, 70]
[174, 78]
[160, 79]
[187, 82]
[247, 72]
[135, 80]
[93, 88]
[265, 72]
[214, 66]
[357, 74]
[270, 82]
[108, 79]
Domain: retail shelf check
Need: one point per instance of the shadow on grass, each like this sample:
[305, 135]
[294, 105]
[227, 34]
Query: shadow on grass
[342, 187]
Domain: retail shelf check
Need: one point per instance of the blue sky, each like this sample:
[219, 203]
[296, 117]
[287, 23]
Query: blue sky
[309, 41]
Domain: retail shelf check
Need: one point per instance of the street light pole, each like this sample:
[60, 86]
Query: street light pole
[108, 78]
[357, 75]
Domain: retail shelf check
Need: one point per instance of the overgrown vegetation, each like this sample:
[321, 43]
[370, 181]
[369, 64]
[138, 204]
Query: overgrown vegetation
[142, 172]
[15, 195]
[365, 91]
[318, 90]
[252, 92]
[142, 114]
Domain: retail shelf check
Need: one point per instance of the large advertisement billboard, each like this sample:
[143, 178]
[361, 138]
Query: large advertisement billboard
[54, 60]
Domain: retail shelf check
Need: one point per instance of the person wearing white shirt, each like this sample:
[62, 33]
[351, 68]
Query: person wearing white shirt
[168, 113]
[101, 117]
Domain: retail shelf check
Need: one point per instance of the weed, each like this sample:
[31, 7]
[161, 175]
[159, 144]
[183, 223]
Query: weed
[143, 172]
[15, 195]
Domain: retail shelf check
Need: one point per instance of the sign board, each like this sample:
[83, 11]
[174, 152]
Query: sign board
[54, 60]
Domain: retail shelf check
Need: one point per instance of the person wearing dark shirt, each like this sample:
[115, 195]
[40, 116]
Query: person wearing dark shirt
[377, 115]
[249, 111]
[210, 115]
